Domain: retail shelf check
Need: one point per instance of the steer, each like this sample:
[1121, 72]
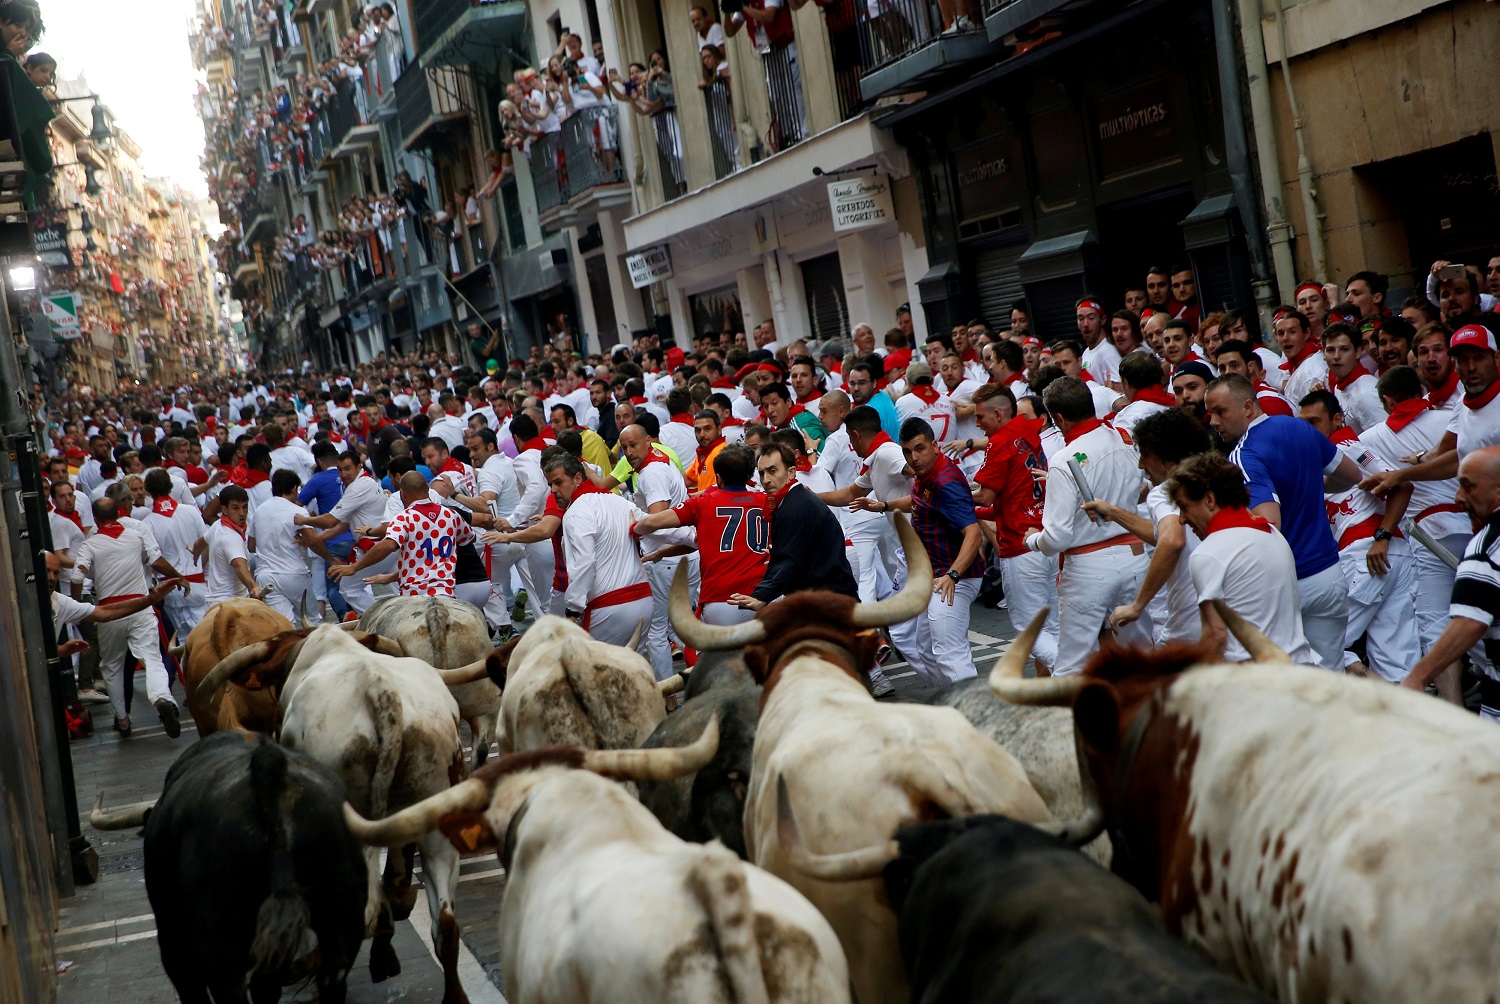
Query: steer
[1293, 823]
[560, 686]
[603, 906]
[996, 912]
[867, 768]
[228, 626]
[389, 728]
[246, 852]
[710, 805]
[445, 633]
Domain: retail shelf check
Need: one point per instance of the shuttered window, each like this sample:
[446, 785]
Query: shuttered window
[823, 284]
[997, 282]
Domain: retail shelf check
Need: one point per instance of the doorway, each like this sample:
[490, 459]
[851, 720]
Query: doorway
[1138, 234]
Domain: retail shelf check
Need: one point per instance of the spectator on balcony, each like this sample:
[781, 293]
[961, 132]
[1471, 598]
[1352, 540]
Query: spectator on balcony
[585, 91]
[571, 49]
[20, 26]
[709, 31]
[412, 198]
[540, 107]
[41, 69]
[498, 163]
[650, 92]
[955, 20]
[772, 34]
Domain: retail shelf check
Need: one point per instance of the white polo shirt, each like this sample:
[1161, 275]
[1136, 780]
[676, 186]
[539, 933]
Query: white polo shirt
[884, 473]
[275, 535]
[498, 475]
[224, 545]
[363, 503]
[1102, 360]
[1252, 571]
[1183, 622]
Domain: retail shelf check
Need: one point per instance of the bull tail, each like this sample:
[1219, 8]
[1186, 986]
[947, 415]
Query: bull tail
[581, 673]
[385, 712]
[283, 918]
[717, 878]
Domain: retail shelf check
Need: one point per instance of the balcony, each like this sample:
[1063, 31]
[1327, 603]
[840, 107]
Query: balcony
[724, 138]
[382, 74]
[350, 123]
[912, 44]
[468, 32]
[430, 101]
[569, 167]
[245, 270]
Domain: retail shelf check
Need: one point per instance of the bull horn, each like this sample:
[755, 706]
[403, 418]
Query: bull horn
[848, 866]
[1008, 684]
[177, 652]
[228, 666]
[635, 636]
[384, 645]
[913, 597]
[1090, 823]
[126, 817]
[1261, 648]
[349, 626]
[464, 674]
[411, 823]
[673, 684]
[706, 637]
[662, 764]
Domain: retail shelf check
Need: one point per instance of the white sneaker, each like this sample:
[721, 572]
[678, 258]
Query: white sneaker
[962, 23]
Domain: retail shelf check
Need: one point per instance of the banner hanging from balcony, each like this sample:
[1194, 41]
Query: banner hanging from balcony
[863, 202]
[61, 310]
[649, 265]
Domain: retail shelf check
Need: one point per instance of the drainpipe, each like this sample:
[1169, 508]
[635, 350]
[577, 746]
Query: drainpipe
[1304, 165]
[1279, 231]
[1236, 153]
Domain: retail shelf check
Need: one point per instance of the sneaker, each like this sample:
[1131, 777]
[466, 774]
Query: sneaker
[167, 709]
[880, 686]
[122, 726]
[502, 635]
[518, 610]
[92, 697]
[883, 654]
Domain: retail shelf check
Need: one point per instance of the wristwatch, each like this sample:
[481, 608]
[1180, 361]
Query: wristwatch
[1382, 534]
[954, 575]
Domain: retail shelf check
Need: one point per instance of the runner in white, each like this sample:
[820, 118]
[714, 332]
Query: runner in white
[280, 547]
[362, 506]
[425, 535]
[654, 486]
[178, 530]
[226, 570]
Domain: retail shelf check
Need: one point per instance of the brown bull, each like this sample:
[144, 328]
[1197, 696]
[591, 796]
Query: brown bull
[228, 627]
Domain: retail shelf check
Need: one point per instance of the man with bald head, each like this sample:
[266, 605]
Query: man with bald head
[1476, 585]
[655, 485]
[425, 536]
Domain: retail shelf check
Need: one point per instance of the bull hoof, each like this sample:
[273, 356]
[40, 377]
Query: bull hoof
[383, 961]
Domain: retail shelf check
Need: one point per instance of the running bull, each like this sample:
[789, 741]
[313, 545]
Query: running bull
[227, 627]
[1296, 825]
[604, 906]
[246, 854]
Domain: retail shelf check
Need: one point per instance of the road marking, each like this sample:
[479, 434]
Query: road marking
[471, 974]
[106, 942]
[81, 928]
[975, 638]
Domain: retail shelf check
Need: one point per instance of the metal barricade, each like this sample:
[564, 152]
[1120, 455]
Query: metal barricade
[784, 88]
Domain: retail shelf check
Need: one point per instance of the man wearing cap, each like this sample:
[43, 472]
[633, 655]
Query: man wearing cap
[895, 367]
[831, 358]
[1190, 385]
[1288, 467]
[1031, 354]
[1100, 357]
[1304, 366]
[922, 400]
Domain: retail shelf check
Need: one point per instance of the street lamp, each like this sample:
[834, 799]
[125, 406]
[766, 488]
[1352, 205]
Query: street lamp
[101, 133]
[87, 228]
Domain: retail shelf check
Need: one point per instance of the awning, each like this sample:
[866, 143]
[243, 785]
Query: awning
[537, 269]
[475, 37]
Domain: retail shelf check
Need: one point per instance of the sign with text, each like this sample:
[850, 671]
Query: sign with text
[649, 265]
[52, 245]
[61, 310]
[863, 202]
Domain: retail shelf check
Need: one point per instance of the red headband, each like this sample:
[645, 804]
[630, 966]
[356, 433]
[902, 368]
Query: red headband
[1093, 305]
[1284, 313]
[1315, 287]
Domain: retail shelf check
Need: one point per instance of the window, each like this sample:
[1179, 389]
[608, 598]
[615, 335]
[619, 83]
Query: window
[515, 224]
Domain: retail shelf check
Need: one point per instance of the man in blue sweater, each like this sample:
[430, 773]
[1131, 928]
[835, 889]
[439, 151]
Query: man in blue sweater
[326, 488]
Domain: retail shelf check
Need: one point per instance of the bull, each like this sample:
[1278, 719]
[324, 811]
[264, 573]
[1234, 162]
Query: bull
[246, 853]
[604, 906]
[227, 627]
[869, 768]
[560, 686]
[447, 634]
[996, 912]
[387, 725]
[1292, 822]
[709, 804]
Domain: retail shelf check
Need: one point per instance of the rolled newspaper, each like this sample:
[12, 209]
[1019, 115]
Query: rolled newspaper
[1086, 494]
[1430, 542]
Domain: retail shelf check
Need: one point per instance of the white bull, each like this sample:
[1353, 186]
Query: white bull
[389, 728]
[604, 906]
[563, 687]
[445, 633]
[857, 770]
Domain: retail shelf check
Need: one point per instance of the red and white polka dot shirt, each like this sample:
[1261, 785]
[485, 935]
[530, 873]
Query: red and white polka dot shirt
[428, 535]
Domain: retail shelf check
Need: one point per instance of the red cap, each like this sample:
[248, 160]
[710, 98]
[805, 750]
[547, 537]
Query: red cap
[674, 357]
[744, 371]
[898, 360]
[1031, 340]
[1475, 336]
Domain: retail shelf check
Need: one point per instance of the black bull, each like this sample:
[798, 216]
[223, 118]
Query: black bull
[235, 887]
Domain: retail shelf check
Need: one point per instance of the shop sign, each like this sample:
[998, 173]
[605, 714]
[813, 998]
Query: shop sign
[52, 245]
[61, 310]
[649, 265]
[863, 202]
[1135, 129]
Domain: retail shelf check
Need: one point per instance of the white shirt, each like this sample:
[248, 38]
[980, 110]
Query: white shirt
[939, 413]
[1432, 502]
[1361, 404]
[1102, 360]
[1250, 570]
[1113, 472]
[838, 466]
[884, 473]
[597, 547]
[679, 438]
[1104, 398]
[176, 533]
[362, 504]
[220, 580]
[1271, 363]
[744, 409]
[275, 535]
[118, 565]
[498, 475]
[714, 36]
[532, 486]
[88, 475]
[66, 536]
[450, 429]
[1475, 428]
[658, 482]
[1349, 509]
[1183, 622]
[291, 458]
[66, 610]
[963, 428]
[1128, 417]
[1313, 369]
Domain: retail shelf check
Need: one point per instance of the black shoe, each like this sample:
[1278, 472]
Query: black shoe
[167, 709]
[122, 726]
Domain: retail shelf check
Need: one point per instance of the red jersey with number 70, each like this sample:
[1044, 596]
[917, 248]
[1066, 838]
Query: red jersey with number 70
[428, 535]
[733, 538]
[1013, 454]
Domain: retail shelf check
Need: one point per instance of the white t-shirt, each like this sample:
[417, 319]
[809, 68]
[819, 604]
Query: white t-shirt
[1432, 502]
[1271, 363]
[659, 481]
[1298, 384]
[1475, 428]
[837, 466]
[66, 610]
[363, 503]
[224, 545]
[275, 535]
[294, 459]
[884, 473]
[1361, 404]
[939, 413]
[498, 475]
[1183, 622]
[66, 536]
[177, 528]
[118, 564]
[450, 429]
[1102, 361]
[714, 36]
[1254, 573]
[963, 428]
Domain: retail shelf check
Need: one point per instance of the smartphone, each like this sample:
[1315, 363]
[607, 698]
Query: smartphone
[1448, 272]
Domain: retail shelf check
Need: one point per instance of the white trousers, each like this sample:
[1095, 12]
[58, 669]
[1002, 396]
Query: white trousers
[1325, 615]
[1030, 582]
[726, 614]
[658, 641]
[1434, 587]
[136, 634]
[476, 594]
[1384, 607]
[186, 610]
[614, 625]
[865, 540]
[1089, 587]
[318, 569]
[287, 593]
[502, 558]
[358, 592]
[536, 578]
[944, 633]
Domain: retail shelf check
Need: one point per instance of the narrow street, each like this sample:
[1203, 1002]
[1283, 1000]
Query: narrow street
[106, 938]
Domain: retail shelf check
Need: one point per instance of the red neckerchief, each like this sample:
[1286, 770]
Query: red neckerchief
[164, 506]
[925, 392]
[195, 475]
[704, 451]
[804, 463]
[1334, 383]
[1476, 401]
[111, 529]
[772, 501]
[637, 400]
[428, 508]
[1406, 412]
[1086, 426]
[1440, 396]
[1155, 394]
[249, 479]
[73, 516]
[1226, 519]
[682, 417]
[809, 399]
[1343, 435]
[970, 356]
[539, 444]
[1086, 376]
[1310, 347]
[876, 442]
[457, 467]
[723, 383]
[654, 457]
[1016, 378]
[731, 420]
[585, 487]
